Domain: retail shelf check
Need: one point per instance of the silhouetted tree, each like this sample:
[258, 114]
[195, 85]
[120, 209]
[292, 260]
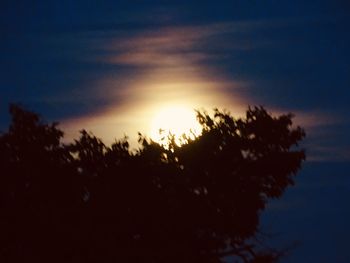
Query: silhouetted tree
[198, 202]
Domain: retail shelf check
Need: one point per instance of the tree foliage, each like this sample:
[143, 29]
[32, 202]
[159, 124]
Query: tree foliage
[198, 202]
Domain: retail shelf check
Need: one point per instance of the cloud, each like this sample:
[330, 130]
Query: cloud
[126, 74]
[168, 46]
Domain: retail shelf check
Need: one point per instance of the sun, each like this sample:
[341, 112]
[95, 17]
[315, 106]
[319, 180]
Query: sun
[176, 120]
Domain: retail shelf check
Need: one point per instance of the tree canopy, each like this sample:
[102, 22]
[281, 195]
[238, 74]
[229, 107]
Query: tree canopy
[89, 202]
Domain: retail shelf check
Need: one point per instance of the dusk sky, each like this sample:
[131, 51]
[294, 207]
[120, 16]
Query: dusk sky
[110, 66]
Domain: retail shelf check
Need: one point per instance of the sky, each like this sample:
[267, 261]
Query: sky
[110, 66]
[311, 221]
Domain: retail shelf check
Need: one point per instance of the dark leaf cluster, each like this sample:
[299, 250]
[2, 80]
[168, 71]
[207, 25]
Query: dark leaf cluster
[195, 203]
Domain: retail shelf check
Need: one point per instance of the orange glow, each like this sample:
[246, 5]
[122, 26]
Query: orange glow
[161, 100]
[164, 94]
[177, 120]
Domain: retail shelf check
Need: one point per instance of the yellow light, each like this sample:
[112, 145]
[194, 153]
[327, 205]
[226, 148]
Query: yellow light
[176, 120]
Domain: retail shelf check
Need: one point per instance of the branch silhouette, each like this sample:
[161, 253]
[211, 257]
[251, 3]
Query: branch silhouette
[198, 202]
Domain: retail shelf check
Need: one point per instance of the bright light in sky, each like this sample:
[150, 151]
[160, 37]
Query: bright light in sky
[174, 119]
[161, 96]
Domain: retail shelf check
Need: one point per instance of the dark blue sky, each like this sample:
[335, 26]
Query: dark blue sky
[70, 60]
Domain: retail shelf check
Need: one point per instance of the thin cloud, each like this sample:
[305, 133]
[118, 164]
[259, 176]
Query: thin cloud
[168, 46]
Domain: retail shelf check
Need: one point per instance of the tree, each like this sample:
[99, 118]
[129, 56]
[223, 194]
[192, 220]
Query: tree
[198, 202]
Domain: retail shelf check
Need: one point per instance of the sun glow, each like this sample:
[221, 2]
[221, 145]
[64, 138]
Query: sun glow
[177, 120]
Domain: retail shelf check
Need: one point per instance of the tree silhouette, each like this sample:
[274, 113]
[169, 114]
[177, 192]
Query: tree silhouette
[198, 202]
